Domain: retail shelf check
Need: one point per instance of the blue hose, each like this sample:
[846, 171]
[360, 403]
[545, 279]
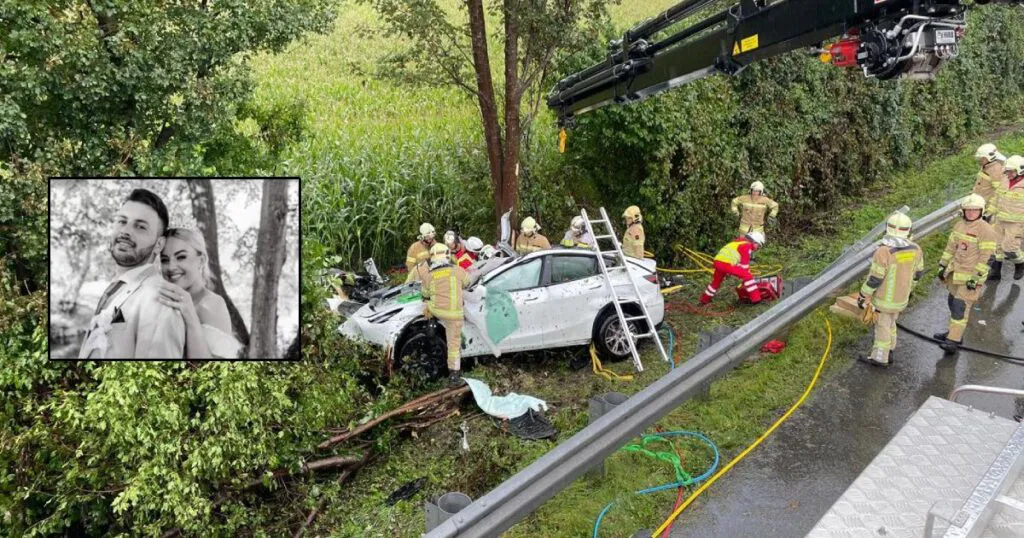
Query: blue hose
[707, 474]
[671, 348]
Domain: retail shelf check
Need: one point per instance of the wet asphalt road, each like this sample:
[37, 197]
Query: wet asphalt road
[784, 487]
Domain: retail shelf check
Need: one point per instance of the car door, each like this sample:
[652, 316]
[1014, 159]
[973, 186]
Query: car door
[576, 293]
[522, 283]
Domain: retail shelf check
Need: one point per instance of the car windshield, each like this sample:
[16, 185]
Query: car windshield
[569, 268]
[515, 278]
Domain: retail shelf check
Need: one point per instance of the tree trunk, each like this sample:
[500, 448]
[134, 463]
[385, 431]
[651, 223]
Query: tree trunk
[270, 253]
[510, 161]
[485, 96]
[203, 210]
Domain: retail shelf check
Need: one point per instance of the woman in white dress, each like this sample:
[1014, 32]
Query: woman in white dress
[186, 287]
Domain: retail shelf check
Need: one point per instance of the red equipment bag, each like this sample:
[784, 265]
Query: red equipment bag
[770, 286]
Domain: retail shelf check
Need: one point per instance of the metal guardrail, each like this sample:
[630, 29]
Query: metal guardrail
[522, 493]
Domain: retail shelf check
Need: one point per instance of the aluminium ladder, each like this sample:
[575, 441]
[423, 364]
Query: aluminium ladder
[624, 320]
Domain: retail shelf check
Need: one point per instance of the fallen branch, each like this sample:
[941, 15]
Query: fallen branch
[345, 475]
[310, 467]
[414, 405]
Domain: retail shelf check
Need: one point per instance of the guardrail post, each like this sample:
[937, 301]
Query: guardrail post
[599, 406]
[445, 507]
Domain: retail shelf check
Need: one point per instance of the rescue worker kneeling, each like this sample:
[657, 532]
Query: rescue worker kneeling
[442, 289]
[895, 269]
[964, 267]
[734, 259]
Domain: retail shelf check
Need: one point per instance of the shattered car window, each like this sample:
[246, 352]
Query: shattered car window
[516, 278]
[569, 268]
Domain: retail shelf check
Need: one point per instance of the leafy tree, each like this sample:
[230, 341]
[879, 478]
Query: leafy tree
[452, 47]
[112, 88]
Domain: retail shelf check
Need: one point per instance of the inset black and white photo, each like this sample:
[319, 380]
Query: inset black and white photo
[172, 269]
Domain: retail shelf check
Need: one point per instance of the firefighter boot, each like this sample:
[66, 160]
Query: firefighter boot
[950, 346]
[941, 337]
[995, 270]
[455, 379]
[1018, 271]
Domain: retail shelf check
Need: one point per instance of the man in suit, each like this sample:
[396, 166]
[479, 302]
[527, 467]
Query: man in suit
[129, 322]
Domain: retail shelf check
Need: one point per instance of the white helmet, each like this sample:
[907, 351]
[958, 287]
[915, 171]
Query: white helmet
[529, 226]
[487, 252]
[756, 237]
[426, 231]
[972, 201]
[474, 244]
[1016, 164]
[898, 225]
[451, 239]
[987, 151]
[577, 225]
[757, 186]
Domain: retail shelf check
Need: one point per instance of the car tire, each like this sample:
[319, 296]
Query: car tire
[424, 353]
[610, 341]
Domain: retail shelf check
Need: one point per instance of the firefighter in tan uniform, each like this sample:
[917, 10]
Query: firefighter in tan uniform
[442, 289]
[1008, 208]
[529, 239]
[964, 266]
[577, 235]
[633, 238]
[753, 208]
[419, 252]
[986, 181]
[895, 269]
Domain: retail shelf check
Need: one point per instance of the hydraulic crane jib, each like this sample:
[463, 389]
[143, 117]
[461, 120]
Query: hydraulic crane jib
[885, 39]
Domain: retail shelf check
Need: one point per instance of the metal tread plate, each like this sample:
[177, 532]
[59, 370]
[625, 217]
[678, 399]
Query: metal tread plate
[938, 456]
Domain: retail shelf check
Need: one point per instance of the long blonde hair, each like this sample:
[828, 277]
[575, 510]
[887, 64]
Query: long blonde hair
[196, 241]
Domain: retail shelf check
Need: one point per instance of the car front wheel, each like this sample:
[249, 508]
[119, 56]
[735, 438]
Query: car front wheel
[424, 352]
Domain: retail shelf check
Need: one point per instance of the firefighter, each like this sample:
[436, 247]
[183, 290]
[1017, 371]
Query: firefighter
[419, 251]
[460, 255]
[442, 290]
[1008, 208]
[986, 181]
[753, 208]
[577, 235]
[895, 269]
[633, 238]
[473, 246]
[734, 259]
[529, 239]
[964, 266]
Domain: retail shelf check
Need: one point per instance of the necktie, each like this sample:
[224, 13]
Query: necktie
[107, 294]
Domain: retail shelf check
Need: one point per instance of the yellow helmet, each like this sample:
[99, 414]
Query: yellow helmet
[439, 253]
[898, 225]
[987, 151]
[426, 231]
[757, 186]
[972, 201]
[632, 214]
[1016, 164]
[529, 226]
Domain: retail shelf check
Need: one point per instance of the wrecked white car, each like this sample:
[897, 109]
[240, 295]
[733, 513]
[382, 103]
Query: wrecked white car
[548, 299]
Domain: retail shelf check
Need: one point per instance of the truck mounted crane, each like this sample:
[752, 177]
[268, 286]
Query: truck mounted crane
[885, 39]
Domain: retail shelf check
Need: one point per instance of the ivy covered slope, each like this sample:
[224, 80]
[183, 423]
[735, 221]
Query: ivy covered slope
[811, 132]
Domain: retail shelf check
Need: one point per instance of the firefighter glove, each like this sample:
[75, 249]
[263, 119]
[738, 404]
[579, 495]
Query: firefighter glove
[861, 299]
[942, 273]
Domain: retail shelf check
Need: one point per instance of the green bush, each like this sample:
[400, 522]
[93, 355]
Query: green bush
[813, 133]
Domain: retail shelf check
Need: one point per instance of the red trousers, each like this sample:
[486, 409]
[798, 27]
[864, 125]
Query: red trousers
[721, 270]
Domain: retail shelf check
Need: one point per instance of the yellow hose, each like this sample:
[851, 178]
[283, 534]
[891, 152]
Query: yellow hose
[734, 461]
[705, 264]
[600, 370]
